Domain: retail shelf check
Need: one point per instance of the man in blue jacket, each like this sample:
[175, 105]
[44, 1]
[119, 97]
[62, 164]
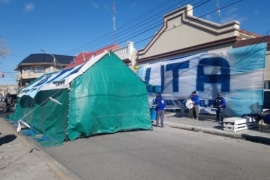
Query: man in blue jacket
[194, 111]
[220, 104]
[160, 107]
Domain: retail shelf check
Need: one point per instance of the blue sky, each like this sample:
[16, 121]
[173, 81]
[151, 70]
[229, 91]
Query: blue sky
[70, 26]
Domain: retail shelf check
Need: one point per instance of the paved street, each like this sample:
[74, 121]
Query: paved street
[184, 149]
[160, 154]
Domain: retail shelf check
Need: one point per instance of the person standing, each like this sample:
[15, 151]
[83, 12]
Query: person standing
[220, 104]
[194, 111]
[8, 101]
[160, 107]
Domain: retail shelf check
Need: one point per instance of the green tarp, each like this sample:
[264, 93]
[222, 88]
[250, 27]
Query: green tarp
[106, 98]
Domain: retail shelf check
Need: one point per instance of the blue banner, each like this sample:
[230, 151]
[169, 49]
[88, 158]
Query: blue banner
[237, 73]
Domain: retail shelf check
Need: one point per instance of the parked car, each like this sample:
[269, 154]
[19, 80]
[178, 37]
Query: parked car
[14, 98]
[3, 104]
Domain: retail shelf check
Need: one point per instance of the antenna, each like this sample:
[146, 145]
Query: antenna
[218, 11]
[114, 22]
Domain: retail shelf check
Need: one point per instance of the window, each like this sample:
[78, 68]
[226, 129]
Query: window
[31, 69]
[59, 68]
[27, 69]
[39, 69]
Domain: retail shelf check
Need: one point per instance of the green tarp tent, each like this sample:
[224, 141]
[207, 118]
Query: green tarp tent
[101, 96]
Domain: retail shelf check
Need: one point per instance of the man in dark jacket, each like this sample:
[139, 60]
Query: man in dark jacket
[220, 104]
[195, 110]
[160, 107]
[8, 101]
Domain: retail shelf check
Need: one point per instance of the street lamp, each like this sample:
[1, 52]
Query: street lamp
[54, 59]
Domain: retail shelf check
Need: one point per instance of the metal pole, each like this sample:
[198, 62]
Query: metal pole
[54, 59]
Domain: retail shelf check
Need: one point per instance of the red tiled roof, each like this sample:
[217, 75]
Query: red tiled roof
[249, 33]
[86, 56]
[247, 42]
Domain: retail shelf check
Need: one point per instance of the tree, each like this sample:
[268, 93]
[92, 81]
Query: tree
[3, 49]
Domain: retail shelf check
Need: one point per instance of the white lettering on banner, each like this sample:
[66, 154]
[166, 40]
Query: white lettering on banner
[61, 79]
[237, 74]
[57, 79]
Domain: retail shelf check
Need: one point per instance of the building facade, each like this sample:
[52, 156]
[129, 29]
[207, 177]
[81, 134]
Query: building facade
[35, 65]
[183, 34]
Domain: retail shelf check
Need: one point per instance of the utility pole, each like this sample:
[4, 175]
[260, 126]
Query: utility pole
[114, 22]
[218, 11]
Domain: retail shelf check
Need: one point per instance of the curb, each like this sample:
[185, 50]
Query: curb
[257, 139]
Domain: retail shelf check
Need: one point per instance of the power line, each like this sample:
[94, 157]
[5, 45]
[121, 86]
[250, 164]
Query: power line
[114, 21]
[228, 5]
[109, 33]
[123, 37]
[154, 25]
[106, 39]
[143, 30]
[157, 24]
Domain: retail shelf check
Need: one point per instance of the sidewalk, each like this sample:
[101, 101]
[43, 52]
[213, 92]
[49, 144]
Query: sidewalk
[21, 158]
[207, 124]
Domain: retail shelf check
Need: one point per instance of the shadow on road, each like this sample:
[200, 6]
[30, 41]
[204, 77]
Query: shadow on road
[262, 140]
[7, 139]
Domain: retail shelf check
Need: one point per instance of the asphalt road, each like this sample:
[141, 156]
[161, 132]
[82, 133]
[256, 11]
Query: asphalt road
[168, 153]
